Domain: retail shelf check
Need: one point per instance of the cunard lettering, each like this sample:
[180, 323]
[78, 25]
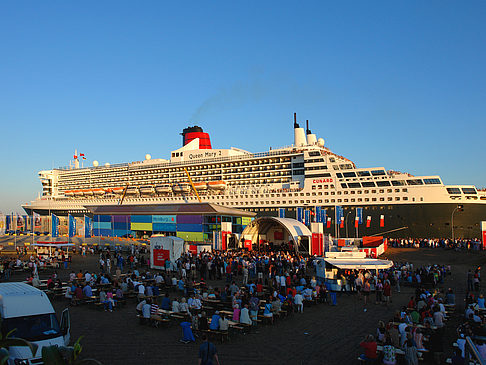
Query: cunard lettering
[320, 181]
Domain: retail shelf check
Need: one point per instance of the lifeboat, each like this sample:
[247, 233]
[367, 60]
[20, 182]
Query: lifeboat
[200, 186]
[118, 191]
[147, 190]
[181, 188]
[217, 185]
[69, 193]
[88, 192]
[163, 189]
[133, 190]
[78, 193]
[99, 192]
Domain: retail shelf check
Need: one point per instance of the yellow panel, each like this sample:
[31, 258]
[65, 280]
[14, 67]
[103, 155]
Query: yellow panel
[141, 226]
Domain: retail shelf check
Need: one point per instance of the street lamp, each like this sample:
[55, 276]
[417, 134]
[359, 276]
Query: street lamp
[346, 221]
[458, 208]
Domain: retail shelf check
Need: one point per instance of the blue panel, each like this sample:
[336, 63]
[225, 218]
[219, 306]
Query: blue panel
[102, 218]
[102, 232]
[121, 232]
[121, 225]
[163, 219]
[164, 227]
[141, 219]
[102, 225]
[189, 227]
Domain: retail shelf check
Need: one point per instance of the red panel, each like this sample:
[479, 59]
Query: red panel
[193, 249]
[224, 240]
[341, 243]
[484, 240]
[248, 245]
[317, 240]
[160, 256]
[277, 235]
[204, 140]
[372, 241]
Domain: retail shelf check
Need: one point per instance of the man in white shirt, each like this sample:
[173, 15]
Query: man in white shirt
[299, 302]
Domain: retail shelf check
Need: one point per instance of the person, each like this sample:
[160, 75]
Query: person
[457, 359]
[369, 346]
[411, 353]
[165, 302]
[245, 316]
[146, 311]
[267, 311]
[214, 325]
[389, 353]
[450, 297]
[208, 355]
[387, 292]
[202, 322]
[299, 302]
[366, 292]
[223, 323]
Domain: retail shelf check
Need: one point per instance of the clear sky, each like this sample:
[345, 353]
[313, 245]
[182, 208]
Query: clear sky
[385, 83]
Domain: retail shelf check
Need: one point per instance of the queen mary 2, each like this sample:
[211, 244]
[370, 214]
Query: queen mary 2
[305, 176]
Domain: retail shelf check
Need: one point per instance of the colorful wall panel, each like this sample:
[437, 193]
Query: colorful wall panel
[141, 226]
[164, 227]
[141, 219]
[164, 219]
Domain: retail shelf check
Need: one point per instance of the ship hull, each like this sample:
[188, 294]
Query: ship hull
[432, 220]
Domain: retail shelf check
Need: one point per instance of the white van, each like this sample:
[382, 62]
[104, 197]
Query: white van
[29, 312]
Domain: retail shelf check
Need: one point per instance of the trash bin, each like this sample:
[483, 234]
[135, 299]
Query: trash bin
[333, 298]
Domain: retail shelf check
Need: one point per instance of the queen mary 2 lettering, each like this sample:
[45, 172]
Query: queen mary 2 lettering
[305, 175]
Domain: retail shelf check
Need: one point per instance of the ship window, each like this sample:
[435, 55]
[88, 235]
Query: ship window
[382, 191]
[349, 174]
[415, 182]
[374, 199]
[298, 172]
[431, 181]
[335, 167]
[354, 185]
[297, 165]
[344, 185]
[405, 190]
[454, 190]
[332, 159]
[378, 172]
[345, 200]
[469, 190]
[363, 173]
[390, 198]
[339, 175]
[383, 183]
[368, 184]
[339, 200]
[346, 192]
[398, 182]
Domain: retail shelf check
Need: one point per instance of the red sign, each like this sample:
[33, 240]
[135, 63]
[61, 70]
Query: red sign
[320, 181]
[484, 240]
[160, 256]
[193, 249]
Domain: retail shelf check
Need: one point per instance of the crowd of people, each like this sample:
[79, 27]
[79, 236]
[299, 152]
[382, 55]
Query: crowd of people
[456, 244]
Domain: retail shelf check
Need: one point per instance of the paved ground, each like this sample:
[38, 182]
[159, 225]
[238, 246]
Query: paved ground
[321, 335]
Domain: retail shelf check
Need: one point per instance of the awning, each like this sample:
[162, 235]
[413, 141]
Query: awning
[53, 244]
[350, 264]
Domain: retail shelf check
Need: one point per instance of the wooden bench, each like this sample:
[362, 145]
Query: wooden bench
[221, 335]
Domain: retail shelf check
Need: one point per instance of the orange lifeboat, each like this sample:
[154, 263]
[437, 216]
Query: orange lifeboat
[78, 193]
[200, 186]
[88, 192]
[217, 185]
[69, 193]
[98, 192]
[118, 191]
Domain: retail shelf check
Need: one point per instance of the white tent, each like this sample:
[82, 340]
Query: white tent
[360, 264]
[165, 248]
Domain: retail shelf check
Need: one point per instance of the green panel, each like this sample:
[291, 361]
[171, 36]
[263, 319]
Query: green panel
[141, 226]
[191, 236]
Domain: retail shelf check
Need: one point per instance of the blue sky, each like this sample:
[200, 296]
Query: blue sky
[394, 84]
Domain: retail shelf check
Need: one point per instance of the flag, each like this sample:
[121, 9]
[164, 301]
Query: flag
[87, 226]
[55, 225]
[307, 217]
[281, 213]
[359, 214]
[382, 221]
[328, 222]
[341, 225]
[82, 155]
[368, 221]
[356, 222]
[72, 225]
[323, 215]
[75, 157]
[339, 213]
[300, 214]
[317, 215]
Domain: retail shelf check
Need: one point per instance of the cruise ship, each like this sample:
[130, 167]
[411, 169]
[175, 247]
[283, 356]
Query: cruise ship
[305, 175]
